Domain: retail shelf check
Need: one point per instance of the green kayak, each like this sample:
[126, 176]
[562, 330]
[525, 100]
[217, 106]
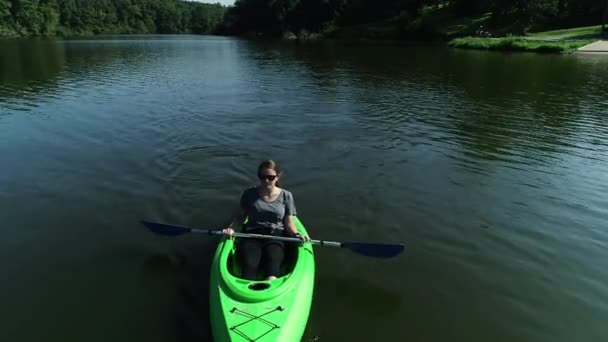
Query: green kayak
[277, 310]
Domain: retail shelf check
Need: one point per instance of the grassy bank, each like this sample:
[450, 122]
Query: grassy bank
[442, 23]
[517, 44]
[579, 33]
[559, 41]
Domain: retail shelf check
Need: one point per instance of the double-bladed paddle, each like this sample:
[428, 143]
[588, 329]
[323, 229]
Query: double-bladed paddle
[376, 250]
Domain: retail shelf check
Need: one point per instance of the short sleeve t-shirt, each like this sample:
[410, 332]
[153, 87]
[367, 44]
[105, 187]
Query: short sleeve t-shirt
[262, 214]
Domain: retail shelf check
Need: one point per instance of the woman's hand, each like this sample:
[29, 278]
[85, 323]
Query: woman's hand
[301, 237]
[228, 231]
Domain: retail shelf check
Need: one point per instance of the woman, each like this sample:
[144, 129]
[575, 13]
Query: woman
[269, 210]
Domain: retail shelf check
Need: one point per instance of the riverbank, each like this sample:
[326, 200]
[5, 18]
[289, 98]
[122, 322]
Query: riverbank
[480, 31]
[517, 44]
[557, 41]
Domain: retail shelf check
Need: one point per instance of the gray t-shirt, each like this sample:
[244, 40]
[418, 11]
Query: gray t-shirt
[267, 214]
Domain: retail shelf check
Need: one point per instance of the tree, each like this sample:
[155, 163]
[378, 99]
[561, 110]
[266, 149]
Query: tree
[6, 19]
[5, 10]
[468, 7]
[27, 17]
[50, 18]
[525, 13]
[166, 16]
[605, 19]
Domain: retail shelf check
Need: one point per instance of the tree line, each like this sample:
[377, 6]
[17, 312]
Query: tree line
[276, 16]
[82, 17]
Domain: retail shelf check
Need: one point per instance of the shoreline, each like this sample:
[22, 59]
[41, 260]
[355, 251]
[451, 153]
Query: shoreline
[563, 41]
[532, 43]
[518, 44]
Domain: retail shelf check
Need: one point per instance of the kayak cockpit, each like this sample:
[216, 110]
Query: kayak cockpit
[287, 266]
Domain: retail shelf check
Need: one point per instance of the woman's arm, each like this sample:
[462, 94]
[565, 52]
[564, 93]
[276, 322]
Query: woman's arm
[291, 228]
[290, 211]
[237, 222]
[289, 225]
[239, 219]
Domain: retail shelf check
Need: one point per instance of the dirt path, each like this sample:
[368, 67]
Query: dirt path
[599, 46]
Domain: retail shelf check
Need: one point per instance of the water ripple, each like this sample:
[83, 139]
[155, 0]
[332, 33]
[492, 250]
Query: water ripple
[494, 175]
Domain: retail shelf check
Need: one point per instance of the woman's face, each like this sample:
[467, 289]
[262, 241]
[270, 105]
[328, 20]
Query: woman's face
[268, 177]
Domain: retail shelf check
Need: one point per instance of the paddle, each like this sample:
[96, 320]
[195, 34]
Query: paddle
[376, 250]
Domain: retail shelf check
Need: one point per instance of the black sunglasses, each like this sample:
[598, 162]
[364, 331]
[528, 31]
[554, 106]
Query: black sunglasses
[268, 177]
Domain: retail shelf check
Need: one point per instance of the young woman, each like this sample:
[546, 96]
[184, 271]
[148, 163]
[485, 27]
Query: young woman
[269, 210]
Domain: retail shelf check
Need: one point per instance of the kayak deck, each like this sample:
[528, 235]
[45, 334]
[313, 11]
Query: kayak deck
[259, 310]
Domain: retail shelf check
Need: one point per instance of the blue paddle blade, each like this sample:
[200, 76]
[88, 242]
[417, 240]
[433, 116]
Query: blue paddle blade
[375, 250]
[165, 229]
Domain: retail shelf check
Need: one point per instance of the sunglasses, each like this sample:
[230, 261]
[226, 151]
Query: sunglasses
[267, 177]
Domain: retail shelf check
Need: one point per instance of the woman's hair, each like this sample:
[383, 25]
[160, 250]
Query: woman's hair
[270, 164]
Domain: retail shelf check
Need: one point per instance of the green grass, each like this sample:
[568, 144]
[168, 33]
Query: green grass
[579, 33]
[517, 44]
[558, 41]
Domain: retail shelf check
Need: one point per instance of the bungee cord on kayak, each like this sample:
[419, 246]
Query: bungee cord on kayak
[259, 318]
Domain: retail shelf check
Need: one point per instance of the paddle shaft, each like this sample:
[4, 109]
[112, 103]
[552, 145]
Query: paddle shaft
[376, 250]
[268, 237]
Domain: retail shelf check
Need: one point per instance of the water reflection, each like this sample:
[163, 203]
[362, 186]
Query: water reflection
[30, 60]
[29, 71]
[511, 107]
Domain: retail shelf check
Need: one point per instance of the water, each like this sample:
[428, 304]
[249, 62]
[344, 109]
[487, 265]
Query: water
[492, 169]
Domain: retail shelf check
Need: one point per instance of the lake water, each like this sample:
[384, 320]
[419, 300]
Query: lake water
[492, 168]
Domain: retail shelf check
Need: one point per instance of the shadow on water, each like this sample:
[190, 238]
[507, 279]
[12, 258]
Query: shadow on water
[190, 268]
[353, 299]
[361, 295]
[193, 307]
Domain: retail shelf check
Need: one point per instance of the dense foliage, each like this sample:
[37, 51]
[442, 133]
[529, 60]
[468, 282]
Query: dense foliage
[76, 17]
[276, 16]
[527, 14]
